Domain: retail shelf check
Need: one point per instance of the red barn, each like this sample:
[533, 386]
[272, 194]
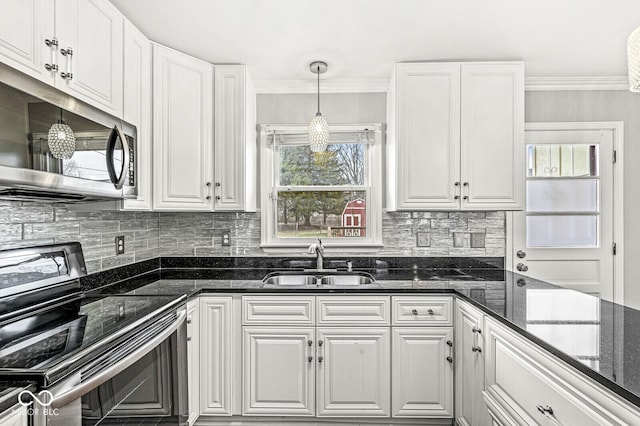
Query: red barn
[354, 218]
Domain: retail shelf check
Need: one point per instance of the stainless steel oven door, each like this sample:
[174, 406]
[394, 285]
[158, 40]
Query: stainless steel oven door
[135, 383]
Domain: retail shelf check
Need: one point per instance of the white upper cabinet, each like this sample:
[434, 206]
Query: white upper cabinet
[455, 136]
[492, 136]
[91, 34]
[183, 131]
[137, 109]
[25, 25]
[235, 139]
[75, 45]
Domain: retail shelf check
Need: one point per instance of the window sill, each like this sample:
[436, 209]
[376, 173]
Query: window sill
[297, 248]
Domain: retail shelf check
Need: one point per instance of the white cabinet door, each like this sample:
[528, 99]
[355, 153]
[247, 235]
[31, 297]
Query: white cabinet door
[422, 372]
[216, 355]
[93, 31]
[182, 131]
[279, 371]
[193, 358]
[24, 27]
[354, 372]
[428, 136]
[235, 139]
[492, 136]
[16, 416]
[137, 109]
[470, 408]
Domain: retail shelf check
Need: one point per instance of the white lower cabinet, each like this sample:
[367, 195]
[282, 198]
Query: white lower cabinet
[422, 372]
[527, 386]
[193, 358]
[354, 371]
[279, 371]
[15, 416]
[216, 355]
[469, 344]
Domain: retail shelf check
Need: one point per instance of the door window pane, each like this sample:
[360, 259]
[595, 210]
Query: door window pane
[562, 231]
[555, 195]
[562, 160]
[313, 214]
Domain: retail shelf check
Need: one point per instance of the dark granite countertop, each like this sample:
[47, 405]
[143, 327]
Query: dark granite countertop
[599, 338]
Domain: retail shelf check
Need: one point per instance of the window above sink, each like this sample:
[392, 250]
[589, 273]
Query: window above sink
[335, 195]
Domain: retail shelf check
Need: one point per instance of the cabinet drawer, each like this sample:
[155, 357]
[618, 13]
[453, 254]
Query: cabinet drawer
[360, 310]
[269, 310]
[422, 310]
[554, 392]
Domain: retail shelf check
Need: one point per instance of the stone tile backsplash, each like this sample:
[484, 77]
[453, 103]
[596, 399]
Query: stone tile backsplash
[152, 234]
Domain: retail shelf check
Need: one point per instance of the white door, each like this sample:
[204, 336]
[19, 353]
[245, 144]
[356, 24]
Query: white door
[491, 132]
[565, 234]
[182, 131]
[24, 27]
[354, 369]
[422, 372]
[470, 407]
[90, 33]
[428, 136]
[279, 371]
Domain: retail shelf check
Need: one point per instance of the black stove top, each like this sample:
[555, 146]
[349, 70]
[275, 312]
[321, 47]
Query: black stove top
[49, 328]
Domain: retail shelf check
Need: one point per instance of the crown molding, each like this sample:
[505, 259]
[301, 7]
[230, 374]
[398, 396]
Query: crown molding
[379, 85]
[536, 84]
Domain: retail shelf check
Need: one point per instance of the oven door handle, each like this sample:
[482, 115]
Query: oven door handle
[69, 395]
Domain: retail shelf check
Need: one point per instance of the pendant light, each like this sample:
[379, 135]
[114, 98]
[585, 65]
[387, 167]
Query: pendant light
[61, 140]
[318, 126]
[633, 60]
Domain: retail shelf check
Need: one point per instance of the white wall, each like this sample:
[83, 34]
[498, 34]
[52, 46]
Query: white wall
[605, 106]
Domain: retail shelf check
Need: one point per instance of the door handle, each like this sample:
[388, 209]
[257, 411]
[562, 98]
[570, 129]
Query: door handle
[522, 267]
[521, 254]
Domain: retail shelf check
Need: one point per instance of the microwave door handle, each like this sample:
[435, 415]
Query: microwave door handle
[118, 181]
[76, 392]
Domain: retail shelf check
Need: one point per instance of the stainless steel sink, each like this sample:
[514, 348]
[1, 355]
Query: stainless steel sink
[353, 279]
[317, 278]
[294, 280]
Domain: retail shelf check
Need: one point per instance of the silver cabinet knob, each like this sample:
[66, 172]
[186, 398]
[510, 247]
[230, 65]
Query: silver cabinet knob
[449, 360]
[51, 67]
[320, 358]
[189, 339]
[476, 330]
[189, 320]
[51, 42]
[208, 197]
[320, 342]
[310, 358]
[522, 267]
[309, 342]
[430, 312]
[218, 184]
[521, 254]
[476, 349]
[414, 311]
[66, 75]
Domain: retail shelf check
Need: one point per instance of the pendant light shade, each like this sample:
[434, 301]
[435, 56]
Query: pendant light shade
[318, 126]
[633, 59]
[61, 140]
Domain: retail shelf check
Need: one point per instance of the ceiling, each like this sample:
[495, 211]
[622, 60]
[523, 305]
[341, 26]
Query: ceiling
[362, 39]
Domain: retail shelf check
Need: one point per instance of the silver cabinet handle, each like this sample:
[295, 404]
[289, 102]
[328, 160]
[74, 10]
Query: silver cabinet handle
[476, 349]
[189, 319]
[66, 75]
[430, 312]
[548, 413]
[217, 197]
[320, 342]
[320, 358]
[218, 184]
[466, 185]
[522, 267]
[476, 330]
[51, 67]
[189, 339]
[67, 52]
[52, 44]
[310, 358]
[450, 357]
[309, 342]
[208, 197]
[414, 311]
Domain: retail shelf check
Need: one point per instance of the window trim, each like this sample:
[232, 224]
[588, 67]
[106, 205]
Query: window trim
[373, 187]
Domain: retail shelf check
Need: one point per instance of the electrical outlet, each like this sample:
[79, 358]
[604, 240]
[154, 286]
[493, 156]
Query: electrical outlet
[226, 238]
[119, 244]
[477, 240]
[120, 311]
[423, 239]
[458, 239]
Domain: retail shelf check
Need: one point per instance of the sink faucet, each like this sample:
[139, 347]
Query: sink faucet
[318, 250]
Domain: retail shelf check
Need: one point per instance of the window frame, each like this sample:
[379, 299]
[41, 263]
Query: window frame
[269, 186]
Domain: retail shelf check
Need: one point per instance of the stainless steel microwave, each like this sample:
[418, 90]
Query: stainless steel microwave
[54, 147]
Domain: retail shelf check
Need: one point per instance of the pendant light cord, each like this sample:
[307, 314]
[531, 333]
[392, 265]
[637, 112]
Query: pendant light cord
[318, 68]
